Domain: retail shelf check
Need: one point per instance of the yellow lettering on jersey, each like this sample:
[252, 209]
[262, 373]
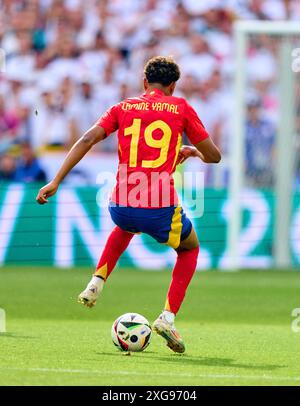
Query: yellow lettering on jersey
[162, 144]
[134, 130]
[174, 108]
[171, 108]
[155, 106]
[135, 106]
[178, 145]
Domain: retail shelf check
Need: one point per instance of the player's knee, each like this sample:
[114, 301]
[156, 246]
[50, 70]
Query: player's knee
[192, 245]
[195, 248]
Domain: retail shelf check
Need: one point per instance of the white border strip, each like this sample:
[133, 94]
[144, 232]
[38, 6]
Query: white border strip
[133, 373]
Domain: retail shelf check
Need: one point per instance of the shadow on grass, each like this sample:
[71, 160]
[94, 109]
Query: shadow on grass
[215, 362]
[15, 335]
[184, 359]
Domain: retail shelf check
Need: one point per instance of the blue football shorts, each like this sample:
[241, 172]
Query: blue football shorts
[167, 225]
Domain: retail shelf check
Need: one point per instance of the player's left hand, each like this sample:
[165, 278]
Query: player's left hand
[185, 152]
[49, 190]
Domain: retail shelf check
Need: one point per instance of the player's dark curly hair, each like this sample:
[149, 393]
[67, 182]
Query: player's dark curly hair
[161, 69]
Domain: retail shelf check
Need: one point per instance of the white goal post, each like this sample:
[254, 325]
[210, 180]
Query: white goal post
[284, 141]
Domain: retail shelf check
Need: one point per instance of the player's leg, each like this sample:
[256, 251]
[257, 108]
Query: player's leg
[187, 254]
[115, 246]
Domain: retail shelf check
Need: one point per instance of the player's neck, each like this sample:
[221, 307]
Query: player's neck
[159, 87]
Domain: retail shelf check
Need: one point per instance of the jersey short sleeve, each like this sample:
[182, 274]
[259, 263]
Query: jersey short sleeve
[110, 120]
[194, 127]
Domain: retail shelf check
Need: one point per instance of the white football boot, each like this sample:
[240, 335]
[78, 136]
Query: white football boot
[90, 295]
[167, 330]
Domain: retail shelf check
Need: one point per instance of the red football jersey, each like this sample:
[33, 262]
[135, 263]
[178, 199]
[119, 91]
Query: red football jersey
[150, 129]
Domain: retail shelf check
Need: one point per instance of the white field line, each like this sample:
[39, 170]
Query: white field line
[133, 373]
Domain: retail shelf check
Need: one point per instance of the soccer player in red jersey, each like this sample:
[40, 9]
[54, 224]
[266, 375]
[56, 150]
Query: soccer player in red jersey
[144, 200]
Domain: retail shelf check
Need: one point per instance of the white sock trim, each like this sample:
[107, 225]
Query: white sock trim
[98, 282]
[169, 316]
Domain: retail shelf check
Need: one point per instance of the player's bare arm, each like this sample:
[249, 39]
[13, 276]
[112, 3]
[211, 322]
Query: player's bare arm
[209, 152]
[77, 152]
[206, 150]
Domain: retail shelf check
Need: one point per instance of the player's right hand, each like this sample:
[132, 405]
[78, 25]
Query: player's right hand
[185, 152]
[48, 190]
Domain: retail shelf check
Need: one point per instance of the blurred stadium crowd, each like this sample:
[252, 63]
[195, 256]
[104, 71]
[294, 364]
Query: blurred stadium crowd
[67, 61]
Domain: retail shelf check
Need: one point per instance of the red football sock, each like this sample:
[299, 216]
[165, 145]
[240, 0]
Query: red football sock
[182, 274]
[115, 246]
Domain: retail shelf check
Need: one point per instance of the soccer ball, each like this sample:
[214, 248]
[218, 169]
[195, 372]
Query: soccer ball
[131, 332]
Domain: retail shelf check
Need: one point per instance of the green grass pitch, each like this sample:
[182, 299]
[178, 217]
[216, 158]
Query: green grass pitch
[236, 326]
